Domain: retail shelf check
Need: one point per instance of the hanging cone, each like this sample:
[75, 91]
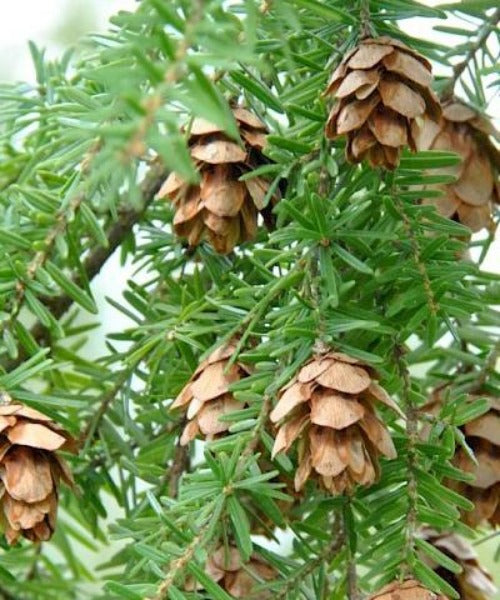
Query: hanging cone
[407, 590]
[382, 91]
[473, 582]
[221, 208]
[206, 396]
[483, 437]
[470, 199]
[30, 471]
[238, 579]
[329, 407]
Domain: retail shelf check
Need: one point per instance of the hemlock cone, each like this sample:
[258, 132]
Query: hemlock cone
[473, 582]
[239, 579]
[483, 437]
[470, 199]
[222, 208]
[382, 90]
[329, 407]
[207, 396]
[30, 471]
[408, 590]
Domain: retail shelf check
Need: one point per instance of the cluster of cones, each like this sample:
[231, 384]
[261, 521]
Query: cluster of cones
[384, 103]
[30, 471]
[328, 406]
[328, 412]
[221, 208]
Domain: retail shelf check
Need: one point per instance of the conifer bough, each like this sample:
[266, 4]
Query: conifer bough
[348, 403]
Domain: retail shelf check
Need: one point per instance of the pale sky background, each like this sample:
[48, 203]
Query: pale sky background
[57, 24]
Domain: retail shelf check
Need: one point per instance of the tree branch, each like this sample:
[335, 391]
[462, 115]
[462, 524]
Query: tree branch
[94, 262]
[484, 32]
[412, 433]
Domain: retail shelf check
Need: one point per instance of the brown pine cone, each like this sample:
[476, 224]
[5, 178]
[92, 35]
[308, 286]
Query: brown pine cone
[383, 90]
[329, 407]
[473, 582]
[221, 208]
[462, 130]
[226, 568]
[30, 471]
[408, 590]
[207, 396]
[483, 437]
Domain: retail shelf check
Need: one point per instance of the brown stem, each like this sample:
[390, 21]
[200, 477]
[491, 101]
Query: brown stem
[179, 464]
[484, 32]
[365, 19]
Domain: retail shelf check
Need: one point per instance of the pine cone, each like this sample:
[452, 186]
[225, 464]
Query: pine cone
[470, 199]
[383, 90]
[473, 582]
[30, 471]
[483, 437]
[207, 395]
[408, 590]
[221, 208]
[226, 568]
[329, 406]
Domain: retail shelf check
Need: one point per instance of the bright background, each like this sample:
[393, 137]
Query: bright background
[57, 24]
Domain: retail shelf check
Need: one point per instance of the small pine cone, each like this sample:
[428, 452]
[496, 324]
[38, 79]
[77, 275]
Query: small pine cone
[328, 406]
[407, 590]
[226, 568]
[207, 395]
[30, 471]
[222, 208]
[483, 437]
[383, 90]
[473, 582]
[470, 199]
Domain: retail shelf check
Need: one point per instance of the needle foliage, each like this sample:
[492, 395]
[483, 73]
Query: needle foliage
[354, 262]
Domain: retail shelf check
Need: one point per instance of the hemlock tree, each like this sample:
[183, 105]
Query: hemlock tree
[312, 346]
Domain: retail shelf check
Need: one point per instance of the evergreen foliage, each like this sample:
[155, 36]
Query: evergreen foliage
[353, 263]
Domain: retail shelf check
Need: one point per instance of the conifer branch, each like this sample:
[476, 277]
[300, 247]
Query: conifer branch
[417, 258]
[92, 265]
[40, 258]
[412, 440]
[484, 32]
[178, 565]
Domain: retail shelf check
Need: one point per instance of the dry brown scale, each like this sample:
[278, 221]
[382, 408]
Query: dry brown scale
[329, 408]
[473, 582]
[206, 396]
[238, 579]
[406, 590]
[382, 90]
[30, 471]
[470, 199]
[483, 437]
[222, 208]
